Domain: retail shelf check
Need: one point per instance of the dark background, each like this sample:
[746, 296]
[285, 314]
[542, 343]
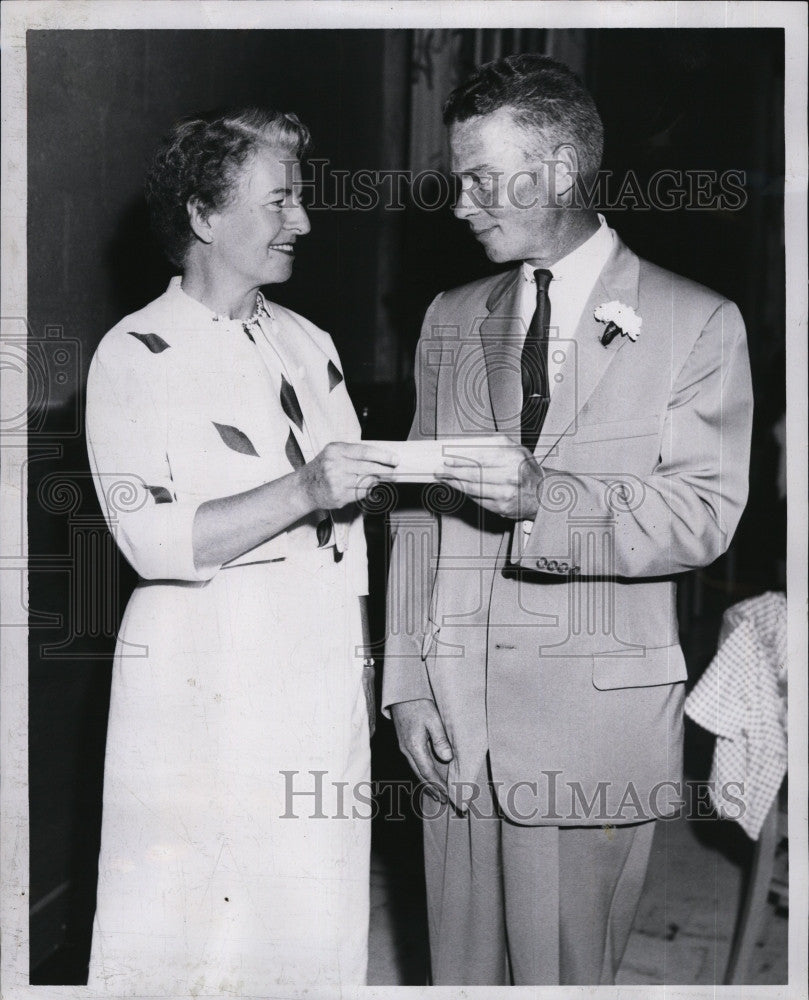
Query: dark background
[98, 101]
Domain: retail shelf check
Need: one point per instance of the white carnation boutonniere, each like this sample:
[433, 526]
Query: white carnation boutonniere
[618, 319]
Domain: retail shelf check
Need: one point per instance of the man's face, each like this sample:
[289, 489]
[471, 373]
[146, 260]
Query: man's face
[255, 233]
[504, 189]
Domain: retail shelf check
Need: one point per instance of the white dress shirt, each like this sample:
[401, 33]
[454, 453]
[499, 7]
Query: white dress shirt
[573, 279]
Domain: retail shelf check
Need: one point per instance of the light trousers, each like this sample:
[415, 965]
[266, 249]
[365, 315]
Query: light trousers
[529, 905]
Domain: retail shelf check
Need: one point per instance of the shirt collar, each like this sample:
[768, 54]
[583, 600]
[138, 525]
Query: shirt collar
[197, 312]
[587, 259]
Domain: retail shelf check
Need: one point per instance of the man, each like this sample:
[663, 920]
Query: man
[543, 693]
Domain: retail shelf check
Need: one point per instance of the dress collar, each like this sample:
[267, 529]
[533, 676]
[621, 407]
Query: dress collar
[197, 312]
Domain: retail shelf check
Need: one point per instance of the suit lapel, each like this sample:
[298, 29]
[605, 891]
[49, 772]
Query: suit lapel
[502, 335]
[587, 360]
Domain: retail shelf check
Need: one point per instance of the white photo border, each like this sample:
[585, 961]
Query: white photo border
[17, 18]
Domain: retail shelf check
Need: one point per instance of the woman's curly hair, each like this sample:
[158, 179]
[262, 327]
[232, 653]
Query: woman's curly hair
[201, 158]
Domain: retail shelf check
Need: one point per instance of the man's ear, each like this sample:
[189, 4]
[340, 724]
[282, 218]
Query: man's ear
[199, 218]
[566, 169]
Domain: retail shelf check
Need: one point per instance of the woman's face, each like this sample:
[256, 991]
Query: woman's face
[253, 237]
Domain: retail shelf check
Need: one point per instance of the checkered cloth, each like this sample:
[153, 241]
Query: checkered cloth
[742, 698]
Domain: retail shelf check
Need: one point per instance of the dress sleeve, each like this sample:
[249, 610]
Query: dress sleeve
[127, 443]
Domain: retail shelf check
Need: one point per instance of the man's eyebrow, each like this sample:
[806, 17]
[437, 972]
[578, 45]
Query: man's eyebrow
[479, 168]
[284, 190]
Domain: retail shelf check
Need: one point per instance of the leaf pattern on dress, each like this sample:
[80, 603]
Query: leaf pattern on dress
[290, 404]
[293, 451]
[160, 494]
[235, 439]
[323, 531]
[153, 341]
[335, 375]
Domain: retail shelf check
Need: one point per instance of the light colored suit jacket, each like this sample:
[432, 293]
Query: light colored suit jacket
[553, 645]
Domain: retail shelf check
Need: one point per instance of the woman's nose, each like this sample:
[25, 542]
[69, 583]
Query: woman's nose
[297, 220]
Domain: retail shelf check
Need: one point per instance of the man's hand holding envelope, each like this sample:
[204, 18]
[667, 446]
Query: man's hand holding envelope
[496, 472]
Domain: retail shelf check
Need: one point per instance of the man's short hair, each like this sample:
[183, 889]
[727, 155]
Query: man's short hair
[545, 97]
[202, 158]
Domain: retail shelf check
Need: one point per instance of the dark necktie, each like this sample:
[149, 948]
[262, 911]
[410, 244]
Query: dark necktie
[534, 366]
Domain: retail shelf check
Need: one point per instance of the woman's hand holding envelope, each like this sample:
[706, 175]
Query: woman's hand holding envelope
[495, 471]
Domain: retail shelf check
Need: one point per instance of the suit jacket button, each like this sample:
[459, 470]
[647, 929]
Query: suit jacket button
[564, 567]
[552, 565]
[575, 569]
[541, 563]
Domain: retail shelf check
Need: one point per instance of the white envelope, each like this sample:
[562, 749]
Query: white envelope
[421, 461]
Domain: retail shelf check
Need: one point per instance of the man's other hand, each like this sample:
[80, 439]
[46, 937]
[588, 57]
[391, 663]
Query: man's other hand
[423, 739]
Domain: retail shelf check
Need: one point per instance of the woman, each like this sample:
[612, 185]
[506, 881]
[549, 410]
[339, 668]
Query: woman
[239, 665]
